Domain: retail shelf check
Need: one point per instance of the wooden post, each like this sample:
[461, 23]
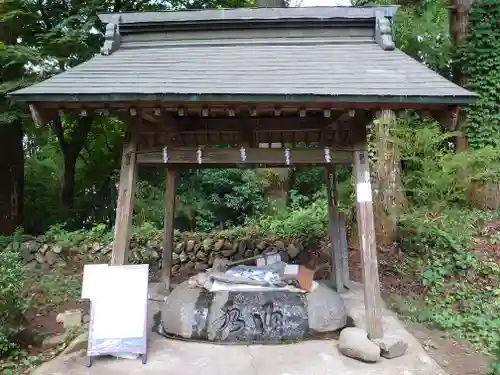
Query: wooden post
[168, 237]
[344, 251]
[125, 205]
[366, 233]
[334, 230]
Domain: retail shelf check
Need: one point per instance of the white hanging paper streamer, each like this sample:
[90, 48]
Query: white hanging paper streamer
[165, 155]
[198, 155]
[243, 154]
[287, 156]
[328, 157]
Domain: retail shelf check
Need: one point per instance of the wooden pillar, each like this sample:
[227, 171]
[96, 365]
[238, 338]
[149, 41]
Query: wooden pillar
[334, 230]
[366, 233]
[125, 204]
[344, 251]
[168, 237]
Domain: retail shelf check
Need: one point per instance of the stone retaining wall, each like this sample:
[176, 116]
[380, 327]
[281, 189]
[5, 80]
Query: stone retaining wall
[191, 251]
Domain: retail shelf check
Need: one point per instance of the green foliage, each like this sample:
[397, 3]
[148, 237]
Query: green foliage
[12, 302]
[438, 230]
[306, 218]
[480, 58]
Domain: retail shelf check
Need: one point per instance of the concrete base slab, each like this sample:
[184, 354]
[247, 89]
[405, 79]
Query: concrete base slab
[306, 358]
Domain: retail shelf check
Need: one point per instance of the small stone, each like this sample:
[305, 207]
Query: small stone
[50, 258]
[250, 244]
[217, 246]
[201, 255]
[242, 246]
[227, 253]
[39, 258]
[284, 256]
[391, 346]
[190, 265]
[248, 254]
[191, 256]
[354, 343]
[200, 266]
[31, 246]
[44, 249]
[154, 254]
[280, 245]
[53, 341]
[262, 245]
[107, 249]
[80, 343]
[207, 243]
[196, 247]
[57, 249]
[96, 247]
[32, 265]
[292, 251]
[190, 245]
[183, 257]
[179, 248]
[256, 252]
[176, 268]
[228, 245]
[70, 318]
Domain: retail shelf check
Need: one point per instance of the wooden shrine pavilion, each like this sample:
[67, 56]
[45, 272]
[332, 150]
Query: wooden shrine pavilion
[210, 88]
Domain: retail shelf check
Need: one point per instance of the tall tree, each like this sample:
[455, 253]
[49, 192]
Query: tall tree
[15, 19]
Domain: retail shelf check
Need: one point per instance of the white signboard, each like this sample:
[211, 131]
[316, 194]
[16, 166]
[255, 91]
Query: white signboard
[118, 316]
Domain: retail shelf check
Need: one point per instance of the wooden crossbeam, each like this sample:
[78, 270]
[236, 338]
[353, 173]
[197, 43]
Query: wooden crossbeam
[245, 157]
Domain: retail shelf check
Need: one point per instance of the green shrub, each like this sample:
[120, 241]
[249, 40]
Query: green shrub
[12, 301]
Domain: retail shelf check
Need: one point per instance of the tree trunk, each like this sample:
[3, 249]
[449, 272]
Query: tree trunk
[11, 177]
[388, 198]
[459, 21]
[68, 184]
[71, 149]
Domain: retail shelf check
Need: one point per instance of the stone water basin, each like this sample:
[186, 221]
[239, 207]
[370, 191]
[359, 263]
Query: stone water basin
[246, 317]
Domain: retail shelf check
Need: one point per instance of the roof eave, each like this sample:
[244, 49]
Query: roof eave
[247, 98]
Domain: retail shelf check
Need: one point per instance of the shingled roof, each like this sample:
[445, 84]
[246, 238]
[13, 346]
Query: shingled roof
[337, 54]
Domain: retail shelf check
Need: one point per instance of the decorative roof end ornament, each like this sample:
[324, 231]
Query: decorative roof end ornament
[383, 33]
[111, 38]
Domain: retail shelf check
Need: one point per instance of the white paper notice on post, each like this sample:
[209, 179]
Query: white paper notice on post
[363, 192]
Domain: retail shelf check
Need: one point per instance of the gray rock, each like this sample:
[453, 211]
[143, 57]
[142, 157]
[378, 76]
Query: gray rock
[218, 245]
[179, 248]
[354, 343]
[175, 268]
[250, 244]
[44, 249]
[96, 247]
[248, 253]
[261, 245]
[242, 246]
[284, 256]
[175, 258]
[190, 245]
[32, 265]
[201, 255]
[31, 246]
[191, 256]
[280, 245]
[40, 258]
[79, 343]
[200, 266]
[183, 257]
[50, 258]
[57, 249]
[227, 245]
[391, 346]
[107, 249]
[53, 341]
[256, 252]
[227, 253]
[292, 251]
[178, 311]
[190, 265]
[325, 309]
[207, 243]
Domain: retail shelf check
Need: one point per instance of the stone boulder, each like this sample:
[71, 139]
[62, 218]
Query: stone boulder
[250, 316]
[325, 309]
[354, 343]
